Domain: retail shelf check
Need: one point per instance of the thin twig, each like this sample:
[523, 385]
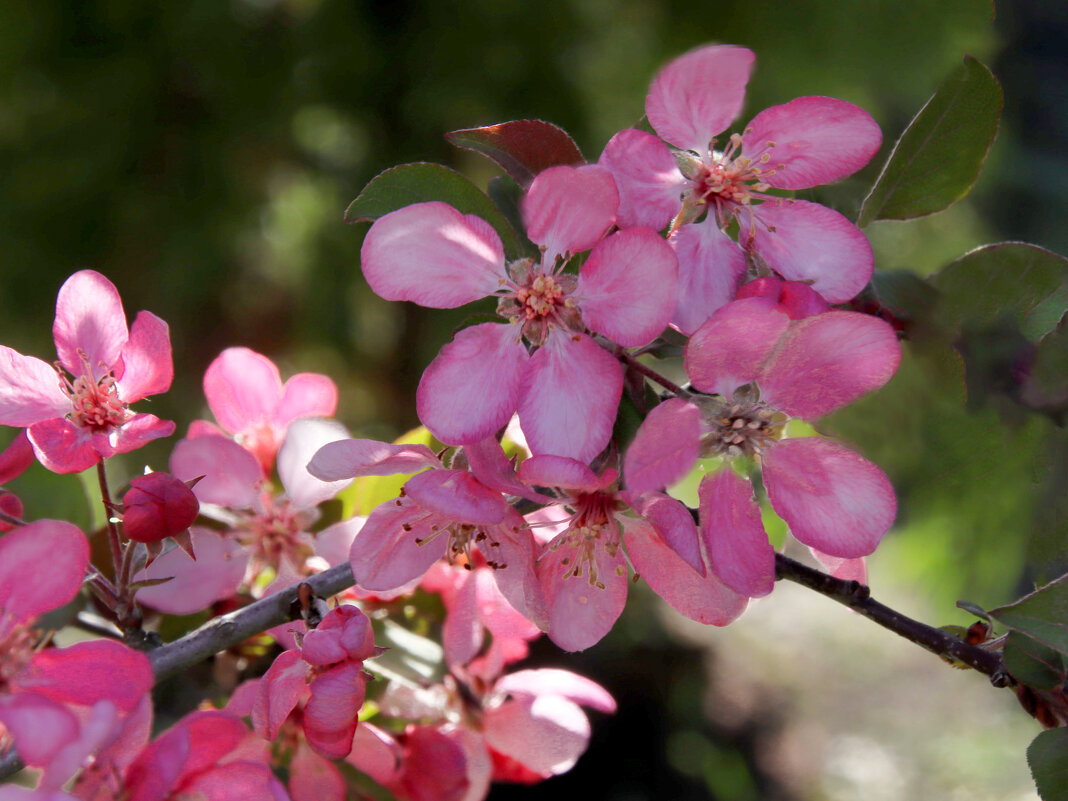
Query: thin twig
[648, 372]
[113, 531]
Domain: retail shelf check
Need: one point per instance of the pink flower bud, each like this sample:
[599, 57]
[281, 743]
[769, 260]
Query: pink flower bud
[158, 505]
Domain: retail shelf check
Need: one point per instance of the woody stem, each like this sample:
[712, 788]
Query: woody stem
[648, 372]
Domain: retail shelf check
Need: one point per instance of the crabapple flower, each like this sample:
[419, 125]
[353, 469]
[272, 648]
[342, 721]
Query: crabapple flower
[56, 704]
[75, 422]
[245, 393]
[326, 672]
[804, 143]
[766, 368]
[566, 387]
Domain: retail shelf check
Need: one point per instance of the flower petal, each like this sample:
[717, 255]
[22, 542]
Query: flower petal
[147, 367]
[15, 458]
[313, 778]
[554, 681]
[675, 525]
[194, 585]
[711, 266]
[90, 319]
[230, 473]
[306, 395]
[88, 672]
[242, 387]
[797, 300]
[354, 458]
[737, 545]
[569, 397]
[431, 254]
[702, 598]
[337, 694]
[63, 447]
[471, 389]
[697, 95]
[626, 288]
[727, 351]
[805, 241]
[546, 733]
[41, 728]
[29, 390]
[27, 588]
[812, 141]
[567, 209]
[461, 635]
[650, 184]
[135, 433]
[279, 691]
[386, 554]
[457, 495]
[494, 469]
[665, 447]
[833, 499]
[561, 472]
[304, 438]
[827, 361]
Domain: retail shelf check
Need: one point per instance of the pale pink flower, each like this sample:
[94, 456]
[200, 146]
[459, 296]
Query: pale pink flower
[75, 422]
[245, 393]
[325, 672]
[804, 143]
[832, 499]
[567, 388]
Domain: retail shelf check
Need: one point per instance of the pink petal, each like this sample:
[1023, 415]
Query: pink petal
[63, 447]
[553, 681]
[435, 766]
[235, 781]
[242, 387]
[546, 733]
[15, 458]
[738, 547]
[136, 432]
[312, 778]
[845, 569]
[304, 438]
[832, 499]
[697, 95]
[569, 397]
[665, 447]
[711, 266]
[457, 495]
[472, 388]
[29, 390]
[147, 368]
[496, 612]
[155, 771]
[195, 585]
[567, 209]
[279, 691]
[213, 736]
[41, 728]
[726, 352]
[431, 254]
[330, 714]
[88, 672]
[702, 598]
[27, 588]
[385, 556]
[675, 526]
[462, 632]
[375, 753]
[230, 473]
[559, 471]
[795, 299]
[808, 242]
[626, 288]
[306, 395]
[582, 608]
[511, 546]
[353, 458]
[494, 469]
[812, 141]
[90, 319]
[649, 181]
[827, 361]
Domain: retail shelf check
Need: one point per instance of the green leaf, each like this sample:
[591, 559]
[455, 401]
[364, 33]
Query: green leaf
[1017, 280]
[1032, 663]
[523, 148]
[974, 608]
[506, 195]
[904, 295]
[1048, 757]
[1042, 615]
[421, 182]
[1046, 386]
[938, 157]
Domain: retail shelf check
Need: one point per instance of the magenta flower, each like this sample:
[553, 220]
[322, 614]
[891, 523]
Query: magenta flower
[567, 389]
[804, 143]
[326, 672]
[57, 704]
[832, 499]
[246, 394]
[75, 422]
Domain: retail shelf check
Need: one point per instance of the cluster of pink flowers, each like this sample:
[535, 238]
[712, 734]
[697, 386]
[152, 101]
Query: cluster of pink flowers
[677, 230]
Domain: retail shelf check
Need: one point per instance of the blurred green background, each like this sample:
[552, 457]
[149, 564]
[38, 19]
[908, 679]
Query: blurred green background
[201, 154]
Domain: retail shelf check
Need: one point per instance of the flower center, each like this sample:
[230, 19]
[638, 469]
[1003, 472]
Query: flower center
[275, 533]
[17, 643]
[738, 430]
[536, 300]
[461, 536]
[95, 404]
[593, 527]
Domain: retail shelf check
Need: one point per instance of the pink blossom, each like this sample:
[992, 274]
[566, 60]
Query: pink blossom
[804, 143]
[75, 422]
[766, 368]
[564, 385]
[325, 671]
[57, 704]
[245, 393]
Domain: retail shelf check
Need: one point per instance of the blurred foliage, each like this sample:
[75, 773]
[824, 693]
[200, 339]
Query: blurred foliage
[201, 155]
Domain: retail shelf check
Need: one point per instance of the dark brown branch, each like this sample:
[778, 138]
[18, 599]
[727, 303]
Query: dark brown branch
[648, 372]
